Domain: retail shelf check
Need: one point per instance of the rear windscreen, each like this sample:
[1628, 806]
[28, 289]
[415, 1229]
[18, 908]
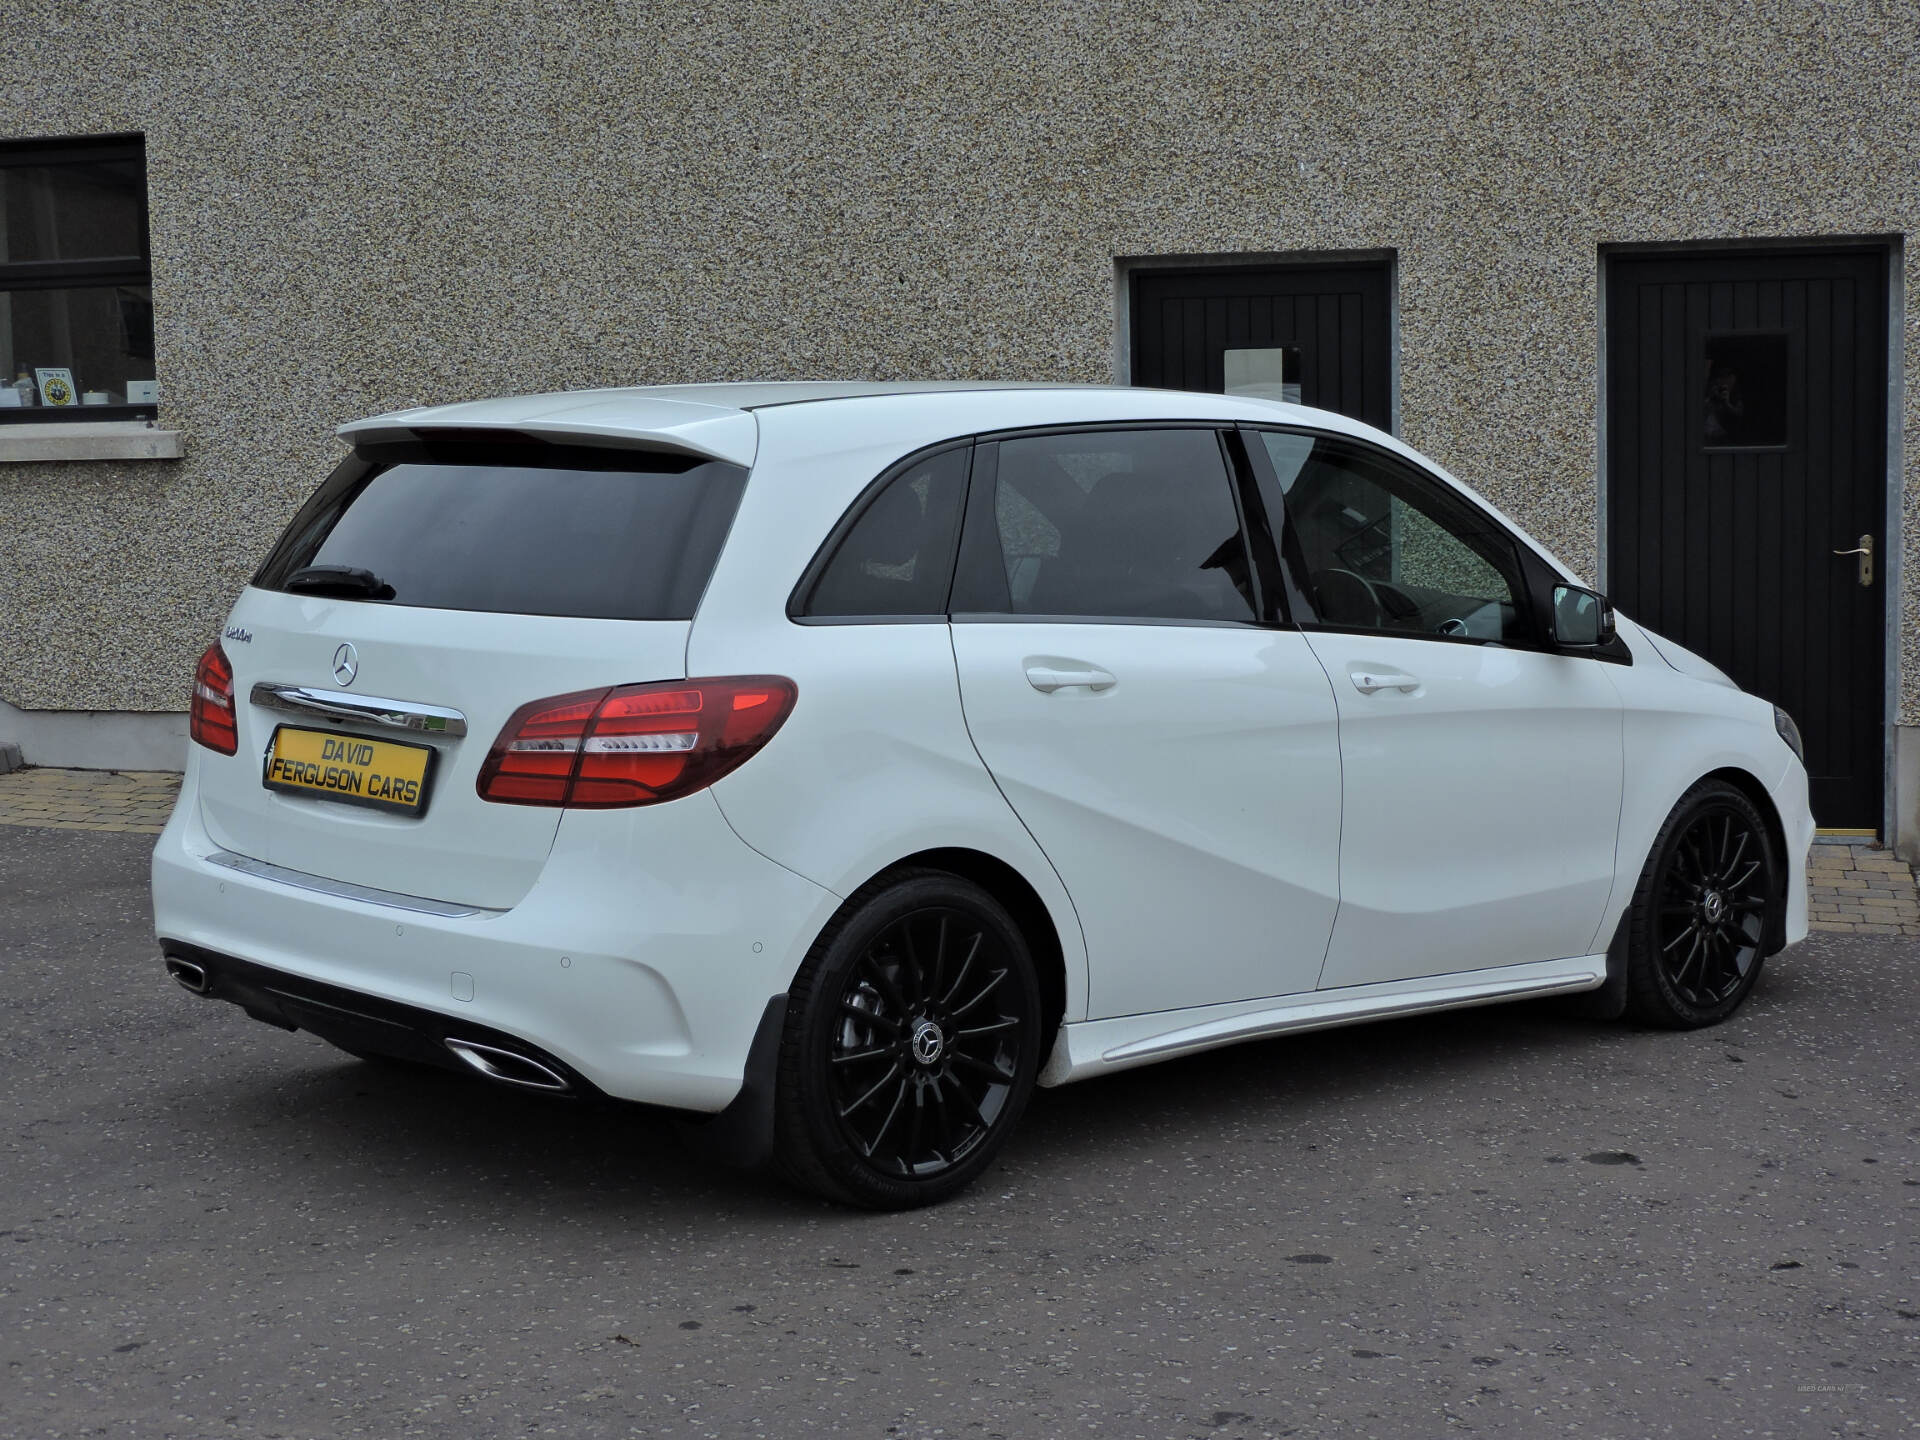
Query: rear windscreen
[610, 534]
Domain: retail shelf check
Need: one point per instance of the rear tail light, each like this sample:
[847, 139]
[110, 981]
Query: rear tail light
[211, 721]
[633, 744]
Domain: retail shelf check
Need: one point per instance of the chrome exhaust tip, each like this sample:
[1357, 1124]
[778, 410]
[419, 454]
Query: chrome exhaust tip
[190, 973]
[509, 1067]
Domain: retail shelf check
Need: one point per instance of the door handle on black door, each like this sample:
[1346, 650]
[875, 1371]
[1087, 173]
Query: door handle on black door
[1047, 674]
[1865, 551]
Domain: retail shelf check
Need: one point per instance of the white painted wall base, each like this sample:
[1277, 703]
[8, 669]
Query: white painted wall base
[1906, 792]
[97, 739]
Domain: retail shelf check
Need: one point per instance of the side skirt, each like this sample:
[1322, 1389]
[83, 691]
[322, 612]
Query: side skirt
[1100, 1047]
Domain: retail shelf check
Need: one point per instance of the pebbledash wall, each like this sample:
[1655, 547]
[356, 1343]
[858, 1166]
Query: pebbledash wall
[356, 207]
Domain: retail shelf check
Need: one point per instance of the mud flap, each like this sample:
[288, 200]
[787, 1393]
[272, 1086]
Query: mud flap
[1609, 1002]
[741, 1135]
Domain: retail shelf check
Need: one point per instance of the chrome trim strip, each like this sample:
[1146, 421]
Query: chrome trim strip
[341, 889]
[1325, 1014]
[361, 709]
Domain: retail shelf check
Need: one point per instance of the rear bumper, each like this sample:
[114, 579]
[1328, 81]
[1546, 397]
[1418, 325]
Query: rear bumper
[639, 965]
[365, 1023]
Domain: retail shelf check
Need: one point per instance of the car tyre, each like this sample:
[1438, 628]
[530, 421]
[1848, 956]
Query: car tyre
[911, 1042]
[1704, 912]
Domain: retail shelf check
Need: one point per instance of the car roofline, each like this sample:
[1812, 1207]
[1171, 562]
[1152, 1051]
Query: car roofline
[693, 419]
[865, 390]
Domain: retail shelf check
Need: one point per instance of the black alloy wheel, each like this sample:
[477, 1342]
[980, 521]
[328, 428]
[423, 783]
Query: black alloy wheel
[912, 1042]
[1704, 910]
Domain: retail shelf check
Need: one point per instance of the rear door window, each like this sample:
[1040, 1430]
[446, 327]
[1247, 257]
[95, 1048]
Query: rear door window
[1112, 524]
[608, 534]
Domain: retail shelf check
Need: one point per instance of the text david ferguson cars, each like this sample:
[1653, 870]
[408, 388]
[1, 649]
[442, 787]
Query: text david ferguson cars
[377, 773]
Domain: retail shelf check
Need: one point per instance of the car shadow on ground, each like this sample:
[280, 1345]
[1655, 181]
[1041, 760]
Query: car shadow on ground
[426, 1133]
[1300, 1084]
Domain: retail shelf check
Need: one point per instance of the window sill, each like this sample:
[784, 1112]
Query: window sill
[88, 440]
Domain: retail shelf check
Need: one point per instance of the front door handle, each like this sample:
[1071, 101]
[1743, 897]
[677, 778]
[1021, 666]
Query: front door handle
[1865, 551]
[1047, 675]
[1368, 681]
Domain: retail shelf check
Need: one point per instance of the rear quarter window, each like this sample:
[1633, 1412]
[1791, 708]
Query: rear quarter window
[896, 559]
[539, 530]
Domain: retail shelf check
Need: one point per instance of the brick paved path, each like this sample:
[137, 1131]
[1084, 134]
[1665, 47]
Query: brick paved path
[131, 800]
[1854, 887]
[1863, 890]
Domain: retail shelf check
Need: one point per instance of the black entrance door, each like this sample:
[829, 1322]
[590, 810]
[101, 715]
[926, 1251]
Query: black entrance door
[1746, 445]
[1318, 334]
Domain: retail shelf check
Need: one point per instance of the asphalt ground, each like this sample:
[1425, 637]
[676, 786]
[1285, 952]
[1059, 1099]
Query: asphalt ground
[1501, 1221]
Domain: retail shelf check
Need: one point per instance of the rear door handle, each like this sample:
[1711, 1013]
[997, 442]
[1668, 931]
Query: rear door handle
[1368, 681]
[1048, 675]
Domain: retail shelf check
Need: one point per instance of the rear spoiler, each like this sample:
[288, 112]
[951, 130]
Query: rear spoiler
[706, 432]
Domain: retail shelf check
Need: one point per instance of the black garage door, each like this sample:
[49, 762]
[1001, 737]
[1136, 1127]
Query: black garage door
[1318, 334]
[1746, 445]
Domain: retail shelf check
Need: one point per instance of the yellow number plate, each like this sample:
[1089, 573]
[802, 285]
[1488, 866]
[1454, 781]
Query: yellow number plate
[382, 774]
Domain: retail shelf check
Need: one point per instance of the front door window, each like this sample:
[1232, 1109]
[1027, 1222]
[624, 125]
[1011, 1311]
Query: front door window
[1372, 546]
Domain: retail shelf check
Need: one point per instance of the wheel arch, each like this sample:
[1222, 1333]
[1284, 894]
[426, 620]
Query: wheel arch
[1751, 786]
[1022, 901]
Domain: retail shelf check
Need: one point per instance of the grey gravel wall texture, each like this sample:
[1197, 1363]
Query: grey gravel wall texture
[357, 207]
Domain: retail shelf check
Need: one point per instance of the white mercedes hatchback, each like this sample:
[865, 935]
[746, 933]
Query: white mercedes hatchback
[833, 763]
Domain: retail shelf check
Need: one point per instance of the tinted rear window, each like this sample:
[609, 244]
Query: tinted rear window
[1133, 524]
[616, 535]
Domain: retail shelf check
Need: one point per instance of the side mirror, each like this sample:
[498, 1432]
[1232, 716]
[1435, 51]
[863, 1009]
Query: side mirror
[1582, 619]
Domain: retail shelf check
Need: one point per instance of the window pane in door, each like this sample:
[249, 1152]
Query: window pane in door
[1121, 524]
[1264, 374]
[1746, 400]
[1373, 547]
